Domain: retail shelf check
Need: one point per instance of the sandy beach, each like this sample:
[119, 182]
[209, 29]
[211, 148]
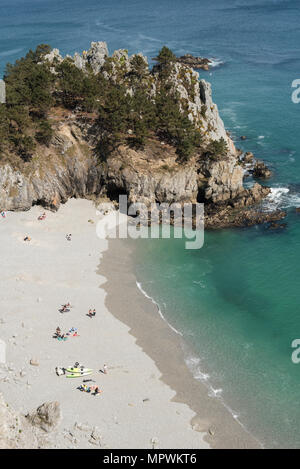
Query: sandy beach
[150, 398]
[136, 408]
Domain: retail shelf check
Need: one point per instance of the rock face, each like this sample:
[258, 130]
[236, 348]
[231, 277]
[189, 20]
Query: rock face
[20, 432]
[15, 431]
[68, 169]
[195, 62]
[96, 55]
[221, 180]
[69, 166]
[145, 178]
[261, 171]
[47, 417]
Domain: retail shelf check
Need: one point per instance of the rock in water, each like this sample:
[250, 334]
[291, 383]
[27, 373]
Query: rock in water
[261, 171]
[195, 62]
[46, 417]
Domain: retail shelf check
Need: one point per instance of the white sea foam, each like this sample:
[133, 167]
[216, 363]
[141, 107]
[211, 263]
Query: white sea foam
[193, 363]
[282, 198]
[215, 392]
[215, 62]
[158, 308]
[10, 52]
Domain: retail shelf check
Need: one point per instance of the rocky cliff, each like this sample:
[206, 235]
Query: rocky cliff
[70, 167]
[20, 432]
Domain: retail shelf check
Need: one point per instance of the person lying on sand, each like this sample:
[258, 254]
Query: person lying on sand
[42, 217]
[73, 331]
[91, 313]
[96, 390]
[69, 237]
[27, 238]
[84, 388]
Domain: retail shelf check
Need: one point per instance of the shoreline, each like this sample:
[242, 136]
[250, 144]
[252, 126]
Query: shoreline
[211, 417]
[136, 408]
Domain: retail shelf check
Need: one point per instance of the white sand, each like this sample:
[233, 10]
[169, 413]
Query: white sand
[36, 278]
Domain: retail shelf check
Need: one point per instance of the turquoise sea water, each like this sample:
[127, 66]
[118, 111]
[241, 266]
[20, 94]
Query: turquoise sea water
[236, 300]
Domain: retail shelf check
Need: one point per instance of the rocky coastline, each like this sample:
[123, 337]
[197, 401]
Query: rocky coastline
[69, 166]
[198, 63]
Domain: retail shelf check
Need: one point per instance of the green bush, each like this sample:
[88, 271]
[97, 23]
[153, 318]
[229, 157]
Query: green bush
[122, 116]
[217, 149]
[165, 56]
[44, 133]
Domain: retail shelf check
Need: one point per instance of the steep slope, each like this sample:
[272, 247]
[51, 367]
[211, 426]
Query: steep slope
[70, 166]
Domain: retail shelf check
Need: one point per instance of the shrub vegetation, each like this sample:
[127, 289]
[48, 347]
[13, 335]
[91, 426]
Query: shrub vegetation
[34, 87]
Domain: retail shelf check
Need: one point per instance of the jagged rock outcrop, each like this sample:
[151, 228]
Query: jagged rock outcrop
[261, 171]
[150, 176]
[46, 417]
[194, 94]
[67, 169]
[96, 55]
[69, 166]
[195, 62]
[20, 432]
[220, 180]
[15, 430]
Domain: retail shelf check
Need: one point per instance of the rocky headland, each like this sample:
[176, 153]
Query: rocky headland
[199, 63]
[70, 164]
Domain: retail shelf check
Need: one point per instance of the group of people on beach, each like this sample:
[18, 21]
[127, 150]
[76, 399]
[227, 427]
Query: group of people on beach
[73, 332]
[90, 389]
[65, 308]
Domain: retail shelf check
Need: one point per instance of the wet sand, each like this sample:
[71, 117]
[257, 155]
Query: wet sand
[128, 304]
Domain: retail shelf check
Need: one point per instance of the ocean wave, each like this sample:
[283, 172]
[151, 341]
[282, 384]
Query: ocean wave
[157, 306]
[193, 363]
[216, 62]
[282, 198]
[10, 52]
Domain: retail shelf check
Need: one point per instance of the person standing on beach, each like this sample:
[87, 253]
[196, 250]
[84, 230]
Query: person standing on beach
[105, 369]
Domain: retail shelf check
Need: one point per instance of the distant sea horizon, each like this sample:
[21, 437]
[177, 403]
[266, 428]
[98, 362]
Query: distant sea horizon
[236, 300]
